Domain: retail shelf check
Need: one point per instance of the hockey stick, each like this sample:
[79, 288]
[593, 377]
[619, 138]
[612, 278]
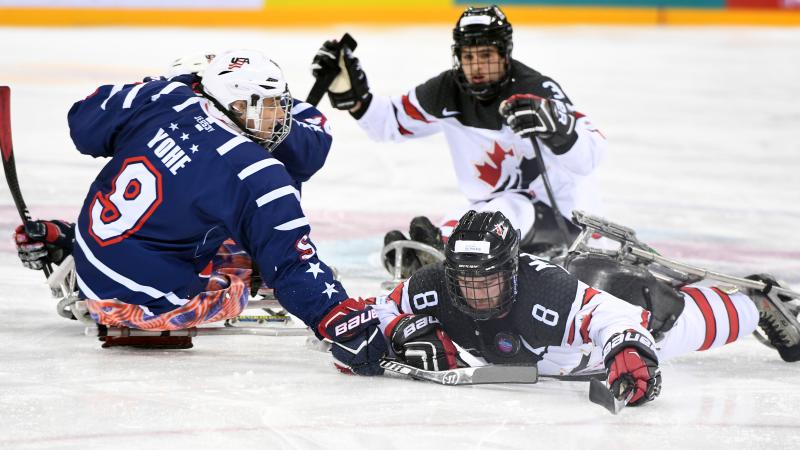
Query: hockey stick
[560, 221]
[493, 374]
[9, 167]
[478, 372]
[321, 85]
[602, 395]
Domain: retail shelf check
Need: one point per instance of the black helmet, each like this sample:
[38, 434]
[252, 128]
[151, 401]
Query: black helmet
[482, 26]
[481, 264]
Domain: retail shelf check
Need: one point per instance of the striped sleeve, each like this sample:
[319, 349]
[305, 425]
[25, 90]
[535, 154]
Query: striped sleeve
[95, 121]
[261, 208]
[398, 118]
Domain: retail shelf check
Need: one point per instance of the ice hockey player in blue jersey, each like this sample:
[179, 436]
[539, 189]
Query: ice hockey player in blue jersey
[197, 185]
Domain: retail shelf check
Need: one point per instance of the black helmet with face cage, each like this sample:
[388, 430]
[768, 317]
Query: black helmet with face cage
[481, 260]
[477, 27]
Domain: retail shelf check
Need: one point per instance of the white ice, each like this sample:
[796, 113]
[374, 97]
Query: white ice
[704, 132]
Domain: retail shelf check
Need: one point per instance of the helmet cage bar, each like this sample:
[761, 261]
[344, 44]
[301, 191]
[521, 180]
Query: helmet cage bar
[499, 72]
[483, 293]
[265, 122]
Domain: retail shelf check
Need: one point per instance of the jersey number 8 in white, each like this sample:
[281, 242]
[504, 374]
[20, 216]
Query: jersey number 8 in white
[425, 299]
[544, 315]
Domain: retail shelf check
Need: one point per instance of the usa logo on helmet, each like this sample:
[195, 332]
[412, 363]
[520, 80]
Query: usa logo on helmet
[238, 62]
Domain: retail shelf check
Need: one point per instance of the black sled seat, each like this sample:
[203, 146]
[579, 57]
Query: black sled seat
[631, 283]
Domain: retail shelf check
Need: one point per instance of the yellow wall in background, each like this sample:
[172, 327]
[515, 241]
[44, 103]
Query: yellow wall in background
[290, 13]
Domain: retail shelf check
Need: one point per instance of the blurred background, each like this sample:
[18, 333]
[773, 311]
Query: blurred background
[390, 12]
[699, 100]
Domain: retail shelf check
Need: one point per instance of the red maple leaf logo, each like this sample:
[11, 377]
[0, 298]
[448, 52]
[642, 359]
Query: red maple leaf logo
[490, 171]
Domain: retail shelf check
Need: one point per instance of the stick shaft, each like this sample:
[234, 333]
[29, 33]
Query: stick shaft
[560, 221]
[9, 166]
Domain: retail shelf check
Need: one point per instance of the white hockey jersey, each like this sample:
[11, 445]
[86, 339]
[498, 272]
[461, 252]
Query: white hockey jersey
[487, 156]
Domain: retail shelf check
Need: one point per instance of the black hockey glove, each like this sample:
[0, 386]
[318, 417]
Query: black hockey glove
[632, 366]
[548, 119]
[419, 340]
[357, 342]
[350, 83]
[43, 242]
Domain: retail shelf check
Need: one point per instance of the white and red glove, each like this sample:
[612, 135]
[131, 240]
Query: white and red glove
[632, 365]
[420, 341]
[358, 345]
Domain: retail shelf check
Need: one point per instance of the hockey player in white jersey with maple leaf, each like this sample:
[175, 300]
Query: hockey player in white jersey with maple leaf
[488, 106]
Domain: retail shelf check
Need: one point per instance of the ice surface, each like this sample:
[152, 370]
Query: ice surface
[703, 127]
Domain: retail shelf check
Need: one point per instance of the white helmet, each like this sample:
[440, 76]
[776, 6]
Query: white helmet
[251, 90]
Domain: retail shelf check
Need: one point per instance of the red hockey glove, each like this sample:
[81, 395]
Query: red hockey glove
[528, 115]
[632, 365]
[358, 344]
[43, 242]
[419, 340]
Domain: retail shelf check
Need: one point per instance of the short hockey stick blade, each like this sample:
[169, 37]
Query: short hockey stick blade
[601, 395]
[467, 375]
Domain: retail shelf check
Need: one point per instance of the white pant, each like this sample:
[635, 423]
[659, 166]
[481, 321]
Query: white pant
[517, 208]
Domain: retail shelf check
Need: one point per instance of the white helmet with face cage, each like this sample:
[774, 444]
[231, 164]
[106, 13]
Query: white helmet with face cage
[251, 91]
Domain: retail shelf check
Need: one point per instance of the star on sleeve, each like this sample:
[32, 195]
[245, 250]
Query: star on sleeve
[330, 289]
[314, 269]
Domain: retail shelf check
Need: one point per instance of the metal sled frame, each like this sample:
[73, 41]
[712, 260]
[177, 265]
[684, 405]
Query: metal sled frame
[277, 322]
[398, 247]
[676, 273]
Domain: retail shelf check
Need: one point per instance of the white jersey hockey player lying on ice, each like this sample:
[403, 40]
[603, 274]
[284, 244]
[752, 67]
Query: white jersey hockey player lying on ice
[514, 308]
[488, 106]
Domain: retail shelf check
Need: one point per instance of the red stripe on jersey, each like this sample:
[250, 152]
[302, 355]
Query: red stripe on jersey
[412, 110]
[578, 115]
[708, 316]
[571, 336]
[450, 223]
[645, 319]
[403, 131]
[733, 315]
[397, 294]
[588, 294]
[585, 327]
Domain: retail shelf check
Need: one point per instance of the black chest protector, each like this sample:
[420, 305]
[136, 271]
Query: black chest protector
[443, 98]
[538, 317]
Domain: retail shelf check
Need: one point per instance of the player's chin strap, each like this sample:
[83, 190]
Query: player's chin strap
[234, 120]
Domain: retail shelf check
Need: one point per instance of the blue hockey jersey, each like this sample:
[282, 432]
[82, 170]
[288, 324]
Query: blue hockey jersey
[178, 184]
